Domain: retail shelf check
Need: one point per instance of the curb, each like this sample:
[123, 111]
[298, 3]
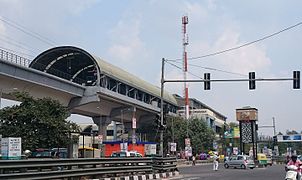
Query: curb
[143, 177]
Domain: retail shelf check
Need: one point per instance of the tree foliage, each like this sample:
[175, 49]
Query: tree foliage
[41, 123]
[201, 135]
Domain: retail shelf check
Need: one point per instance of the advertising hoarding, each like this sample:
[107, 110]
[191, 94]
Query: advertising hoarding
[250, 114]
[289, 138]
[11, 148]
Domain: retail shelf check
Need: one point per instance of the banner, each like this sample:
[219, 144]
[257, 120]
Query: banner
[232, 133]
[289, 138]
[173, 147]
[247, 114]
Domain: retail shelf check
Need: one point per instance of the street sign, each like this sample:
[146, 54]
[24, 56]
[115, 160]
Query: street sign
[134, 123]
[173, 147]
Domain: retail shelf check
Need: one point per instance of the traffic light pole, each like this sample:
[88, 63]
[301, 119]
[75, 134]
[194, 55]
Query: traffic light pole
[207, 80]
[161, 151]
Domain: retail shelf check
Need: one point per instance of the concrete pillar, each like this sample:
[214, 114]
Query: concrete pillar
[102, 122]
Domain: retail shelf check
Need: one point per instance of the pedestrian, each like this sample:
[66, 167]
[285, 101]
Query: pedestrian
[193, 160]
[215, 162]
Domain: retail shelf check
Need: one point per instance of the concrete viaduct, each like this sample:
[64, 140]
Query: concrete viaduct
[84, 83]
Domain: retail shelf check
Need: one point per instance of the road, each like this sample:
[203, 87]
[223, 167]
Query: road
[205, 172]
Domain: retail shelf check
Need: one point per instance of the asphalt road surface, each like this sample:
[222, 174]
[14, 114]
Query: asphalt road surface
[205, 172]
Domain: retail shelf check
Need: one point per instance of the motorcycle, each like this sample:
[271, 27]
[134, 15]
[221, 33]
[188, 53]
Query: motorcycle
[291, 172]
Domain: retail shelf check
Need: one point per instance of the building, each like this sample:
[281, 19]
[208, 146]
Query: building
[214, 119]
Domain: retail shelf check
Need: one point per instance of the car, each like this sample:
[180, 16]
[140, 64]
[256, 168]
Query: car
[240, 161]
[126, 154]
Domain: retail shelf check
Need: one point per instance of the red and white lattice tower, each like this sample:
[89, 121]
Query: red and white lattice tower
[185, 21]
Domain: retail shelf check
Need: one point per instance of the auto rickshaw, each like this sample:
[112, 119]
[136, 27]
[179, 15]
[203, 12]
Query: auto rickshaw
[262, 159]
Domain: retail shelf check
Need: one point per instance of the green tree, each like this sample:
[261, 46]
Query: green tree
[41, 123]
[200, 134]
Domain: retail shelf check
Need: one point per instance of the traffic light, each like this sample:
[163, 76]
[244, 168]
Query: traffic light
[252, 81]
[207, 81]
[296, 81]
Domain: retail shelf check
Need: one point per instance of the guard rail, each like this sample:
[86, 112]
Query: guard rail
[83, 167]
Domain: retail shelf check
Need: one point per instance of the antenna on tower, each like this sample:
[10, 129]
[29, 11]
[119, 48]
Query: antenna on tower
[185, 22]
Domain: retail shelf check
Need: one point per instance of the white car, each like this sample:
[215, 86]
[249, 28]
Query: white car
[126, 154]
[240, 161]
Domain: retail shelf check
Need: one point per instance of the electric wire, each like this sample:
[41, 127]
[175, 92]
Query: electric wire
[19, 42]
[18, 53]
[17, 45]
[240, 46]
[181, 69]
[215, 69]
[27, 31]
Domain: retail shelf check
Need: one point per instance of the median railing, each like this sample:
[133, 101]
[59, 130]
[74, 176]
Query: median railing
[83, 167]
[164, 164]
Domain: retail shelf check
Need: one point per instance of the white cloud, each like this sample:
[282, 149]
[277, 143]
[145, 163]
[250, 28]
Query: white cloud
[78, 6]
[196, 11]
[126, 42]
[251, 58]
[211, 5]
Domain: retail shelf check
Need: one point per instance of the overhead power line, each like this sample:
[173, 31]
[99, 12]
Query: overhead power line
[240, 46]
[215, 69]
[27, 31]
[181, 70]
[18, 45]
[18, 53]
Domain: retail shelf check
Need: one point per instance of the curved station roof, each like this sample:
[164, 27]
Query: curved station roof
[79, 66]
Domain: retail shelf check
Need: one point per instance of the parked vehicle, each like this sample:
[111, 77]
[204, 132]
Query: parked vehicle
[126, 154]
[240, 161]
[49, 153]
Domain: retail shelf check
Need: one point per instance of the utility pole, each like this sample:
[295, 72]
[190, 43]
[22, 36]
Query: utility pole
[161, 151]
[274, 125]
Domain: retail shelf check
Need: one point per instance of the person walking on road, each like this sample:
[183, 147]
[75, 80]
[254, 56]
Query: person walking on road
[215, 162]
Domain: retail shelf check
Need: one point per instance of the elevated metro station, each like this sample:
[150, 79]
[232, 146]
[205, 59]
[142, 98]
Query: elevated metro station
[111, 92]
[92, 87]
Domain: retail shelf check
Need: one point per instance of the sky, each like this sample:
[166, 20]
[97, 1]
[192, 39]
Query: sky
[135, 35]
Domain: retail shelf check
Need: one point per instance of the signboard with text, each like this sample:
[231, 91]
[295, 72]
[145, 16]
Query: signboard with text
[134, 123]
[249, 114]
[150, 149]
[11, 148]
[289, 138]
[173, 147]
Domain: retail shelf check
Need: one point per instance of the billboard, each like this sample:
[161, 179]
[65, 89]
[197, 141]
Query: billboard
[289, 138]
[250, 114]
[232, 133]
[11, 148]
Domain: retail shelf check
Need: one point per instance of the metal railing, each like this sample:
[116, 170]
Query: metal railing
[11, 57]
[164, 164]
[83, 167]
